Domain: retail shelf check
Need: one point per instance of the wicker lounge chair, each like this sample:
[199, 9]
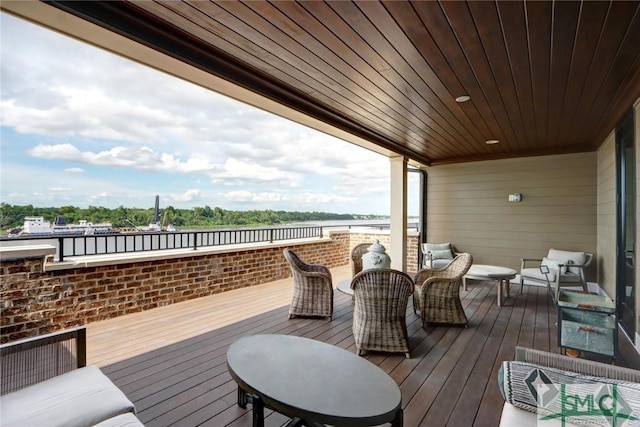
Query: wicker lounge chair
[380, 311]
[312, 288]
[437, 294]
[356, 257]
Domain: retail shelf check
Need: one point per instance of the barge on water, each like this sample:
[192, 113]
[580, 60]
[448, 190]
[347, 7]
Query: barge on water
[38, 226]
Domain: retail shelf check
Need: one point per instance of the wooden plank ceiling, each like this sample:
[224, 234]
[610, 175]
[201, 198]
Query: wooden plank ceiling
[544, 77]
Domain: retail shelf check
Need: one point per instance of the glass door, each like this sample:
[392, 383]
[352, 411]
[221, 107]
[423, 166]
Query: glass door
[626, 208]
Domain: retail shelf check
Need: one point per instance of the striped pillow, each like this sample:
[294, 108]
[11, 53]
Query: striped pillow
[525, 384]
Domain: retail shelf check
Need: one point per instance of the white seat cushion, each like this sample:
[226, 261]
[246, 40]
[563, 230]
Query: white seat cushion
[82, 397]
[124, 420]
[437, 255]
[515, 417]
[534, 273]
[440, 263]
[568, 257]
[438, 250]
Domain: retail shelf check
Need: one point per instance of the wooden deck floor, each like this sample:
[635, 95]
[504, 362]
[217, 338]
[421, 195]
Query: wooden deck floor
[171, 361]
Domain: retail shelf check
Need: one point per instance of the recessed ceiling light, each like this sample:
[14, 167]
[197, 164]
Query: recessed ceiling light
[491, 141]
[463, 98]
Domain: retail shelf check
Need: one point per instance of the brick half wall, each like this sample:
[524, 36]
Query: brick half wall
[35, 302]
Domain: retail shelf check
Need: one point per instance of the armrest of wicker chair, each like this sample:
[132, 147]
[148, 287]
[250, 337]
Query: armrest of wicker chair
[315, 270]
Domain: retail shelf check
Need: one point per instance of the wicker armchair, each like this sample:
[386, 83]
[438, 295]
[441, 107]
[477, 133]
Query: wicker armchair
[380, 311]
[356, 257]
[437, 293]
[312, 288]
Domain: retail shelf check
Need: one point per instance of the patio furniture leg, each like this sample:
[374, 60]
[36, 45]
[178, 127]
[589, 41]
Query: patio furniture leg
[242, 398]
[399, 419]
[299, 422]
[257, 411]
[257, 406]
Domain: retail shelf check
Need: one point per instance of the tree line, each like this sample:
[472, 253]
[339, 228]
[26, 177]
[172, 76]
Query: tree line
[12, 217]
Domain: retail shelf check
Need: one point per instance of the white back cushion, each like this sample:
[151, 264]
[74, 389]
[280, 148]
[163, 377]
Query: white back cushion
[568, 257]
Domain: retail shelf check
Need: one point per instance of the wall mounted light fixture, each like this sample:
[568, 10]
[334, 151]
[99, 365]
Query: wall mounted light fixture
[515, 197]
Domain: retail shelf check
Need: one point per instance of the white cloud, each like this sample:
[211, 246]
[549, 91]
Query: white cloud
[100, 197]
[243, 196]
[44, 189]
[312, 199]
[238, 172]
[61, 106]
[143, 158]
[59, 189]
[58, 152]
[293, 200]
[270, 197]
[188, 196]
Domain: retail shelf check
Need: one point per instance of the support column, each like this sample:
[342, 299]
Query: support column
[398, 205]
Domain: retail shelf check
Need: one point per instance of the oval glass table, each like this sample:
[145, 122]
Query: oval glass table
[312, 382]
[344, 286]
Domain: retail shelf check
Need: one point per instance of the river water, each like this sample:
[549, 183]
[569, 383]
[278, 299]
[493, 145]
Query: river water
[352, 223]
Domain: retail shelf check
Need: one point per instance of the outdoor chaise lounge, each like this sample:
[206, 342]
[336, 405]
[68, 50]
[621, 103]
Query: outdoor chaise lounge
[45, 383]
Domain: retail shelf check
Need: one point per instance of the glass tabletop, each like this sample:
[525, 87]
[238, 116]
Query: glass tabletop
[586, 301]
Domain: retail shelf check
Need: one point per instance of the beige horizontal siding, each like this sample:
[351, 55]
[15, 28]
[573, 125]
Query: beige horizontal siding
[468, 205]
[607, 216]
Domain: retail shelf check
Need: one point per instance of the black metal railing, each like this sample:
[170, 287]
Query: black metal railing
[116, 243]
[68, 245]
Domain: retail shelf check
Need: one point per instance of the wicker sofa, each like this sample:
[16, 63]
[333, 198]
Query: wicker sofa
[45, 383]
[531, 367]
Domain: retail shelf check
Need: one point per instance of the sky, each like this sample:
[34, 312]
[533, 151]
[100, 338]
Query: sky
[83, 127]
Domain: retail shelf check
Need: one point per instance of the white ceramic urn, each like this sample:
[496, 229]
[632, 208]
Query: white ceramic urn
[376, 257]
